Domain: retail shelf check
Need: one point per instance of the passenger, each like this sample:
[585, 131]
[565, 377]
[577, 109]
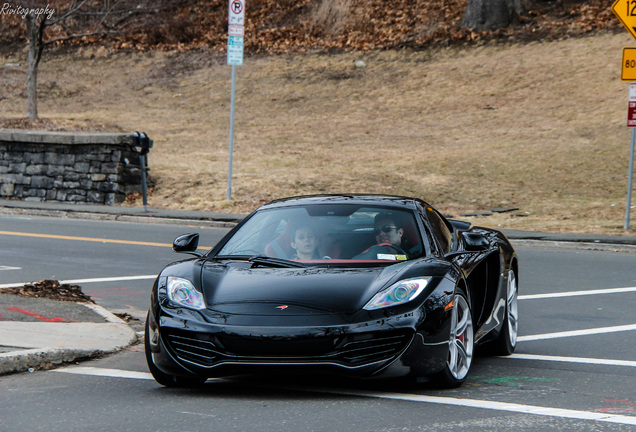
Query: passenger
[388, 237]
[305, 243]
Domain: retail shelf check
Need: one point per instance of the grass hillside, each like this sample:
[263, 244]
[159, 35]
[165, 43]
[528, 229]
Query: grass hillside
[531, 117]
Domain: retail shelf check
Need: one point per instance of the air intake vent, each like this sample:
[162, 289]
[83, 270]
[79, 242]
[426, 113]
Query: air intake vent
[353, 350]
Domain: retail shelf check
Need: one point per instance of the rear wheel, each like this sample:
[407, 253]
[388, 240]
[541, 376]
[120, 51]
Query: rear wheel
[460, 345]
[163, 378]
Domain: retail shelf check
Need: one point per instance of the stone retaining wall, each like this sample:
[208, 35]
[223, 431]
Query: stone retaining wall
[96, 168]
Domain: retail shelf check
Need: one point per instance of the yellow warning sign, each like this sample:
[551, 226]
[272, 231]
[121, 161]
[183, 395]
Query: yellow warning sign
[625, 10]
[628, 72]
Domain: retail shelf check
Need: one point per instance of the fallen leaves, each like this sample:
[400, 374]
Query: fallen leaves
[50, 289]
[275, 26]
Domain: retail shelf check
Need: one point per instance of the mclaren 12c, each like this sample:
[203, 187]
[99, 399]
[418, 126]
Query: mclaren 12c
[361, 285]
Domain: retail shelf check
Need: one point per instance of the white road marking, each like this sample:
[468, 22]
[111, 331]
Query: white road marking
[572, 333]
[583, 360]
[112, 373]
[94, 280]
[577, 293]
[461, 402]
[497, 406]
[109, 279]
[9, 268]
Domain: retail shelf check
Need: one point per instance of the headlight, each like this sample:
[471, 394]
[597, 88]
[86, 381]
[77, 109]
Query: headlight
[398, 293]
[182, 292]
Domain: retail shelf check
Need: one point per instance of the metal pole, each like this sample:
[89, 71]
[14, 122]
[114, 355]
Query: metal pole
[630, 180]
[229, 171]
[144, 188]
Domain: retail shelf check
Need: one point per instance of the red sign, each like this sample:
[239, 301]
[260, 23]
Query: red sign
[631, 114]
[236, 30]
[631, 106]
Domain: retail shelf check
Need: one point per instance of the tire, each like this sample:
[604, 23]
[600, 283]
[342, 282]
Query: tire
[506, 342]
[460, 345]
[163, 378]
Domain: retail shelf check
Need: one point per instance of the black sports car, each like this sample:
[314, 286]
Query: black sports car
[363, 285]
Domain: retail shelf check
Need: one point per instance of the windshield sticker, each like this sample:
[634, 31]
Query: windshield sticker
[392, 257]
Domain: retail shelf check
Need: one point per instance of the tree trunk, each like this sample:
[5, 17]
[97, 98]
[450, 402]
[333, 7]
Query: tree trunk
[492, 14]
[33, 59]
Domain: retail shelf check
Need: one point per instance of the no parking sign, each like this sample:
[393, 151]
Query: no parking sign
[236, 12]
[235, 41]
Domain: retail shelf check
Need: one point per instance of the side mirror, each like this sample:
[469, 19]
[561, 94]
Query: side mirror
[475, 242]
[187, 243]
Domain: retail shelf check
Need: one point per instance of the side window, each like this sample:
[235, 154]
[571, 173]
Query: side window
[440, 230]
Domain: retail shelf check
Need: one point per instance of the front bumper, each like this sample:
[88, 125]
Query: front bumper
[185, 342]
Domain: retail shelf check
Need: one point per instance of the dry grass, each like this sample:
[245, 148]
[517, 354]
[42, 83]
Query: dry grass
[540, 126]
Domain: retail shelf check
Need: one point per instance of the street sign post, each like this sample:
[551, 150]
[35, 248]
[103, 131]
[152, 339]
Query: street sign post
[235, 45]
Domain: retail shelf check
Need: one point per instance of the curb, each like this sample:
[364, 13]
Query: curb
[117, 213]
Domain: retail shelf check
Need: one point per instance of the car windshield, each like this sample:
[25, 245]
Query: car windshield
[327, 234]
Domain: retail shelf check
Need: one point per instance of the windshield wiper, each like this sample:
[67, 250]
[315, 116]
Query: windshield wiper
[274, 262]
[261, 260]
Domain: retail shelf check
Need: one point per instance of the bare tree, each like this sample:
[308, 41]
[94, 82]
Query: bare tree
[71, 20]
[492, 14]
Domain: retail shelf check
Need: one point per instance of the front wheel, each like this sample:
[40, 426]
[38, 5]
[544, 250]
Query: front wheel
[163, 378]
[460, 345]
[506, 343]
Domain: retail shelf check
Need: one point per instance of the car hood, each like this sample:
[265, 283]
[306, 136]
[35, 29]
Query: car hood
[238, 289]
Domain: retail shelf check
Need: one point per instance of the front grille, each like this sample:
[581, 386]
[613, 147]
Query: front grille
[372, 350]
[193, 348]
[353, 350]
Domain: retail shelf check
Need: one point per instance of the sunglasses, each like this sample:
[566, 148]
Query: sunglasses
[385, 229]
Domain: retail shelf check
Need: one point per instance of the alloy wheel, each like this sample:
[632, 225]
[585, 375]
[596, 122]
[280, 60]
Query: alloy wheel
[461, 340]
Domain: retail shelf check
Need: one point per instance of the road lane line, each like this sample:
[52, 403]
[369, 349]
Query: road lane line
[577, 293]
[89, 239]
[586, 332]
[112, 373]
[582, 360]
[9, 268]
[94, 280]
[109, 279]
[497, 406]
[439, 400]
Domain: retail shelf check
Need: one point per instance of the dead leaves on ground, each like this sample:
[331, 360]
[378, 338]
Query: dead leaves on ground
[286, 26]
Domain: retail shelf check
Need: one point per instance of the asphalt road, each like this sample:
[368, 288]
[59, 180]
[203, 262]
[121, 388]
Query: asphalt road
[574, 369]
[92, 254]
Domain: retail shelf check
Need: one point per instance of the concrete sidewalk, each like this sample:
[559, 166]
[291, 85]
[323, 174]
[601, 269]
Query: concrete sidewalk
[36, 332]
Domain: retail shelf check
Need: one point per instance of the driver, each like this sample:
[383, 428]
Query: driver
[388, 237]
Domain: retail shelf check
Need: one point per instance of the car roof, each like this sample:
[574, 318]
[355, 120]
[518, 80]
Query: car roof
[361, 199]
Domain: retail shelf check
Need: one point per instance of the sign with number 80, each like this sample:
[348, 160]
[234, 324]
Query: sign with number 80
[629, 64]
